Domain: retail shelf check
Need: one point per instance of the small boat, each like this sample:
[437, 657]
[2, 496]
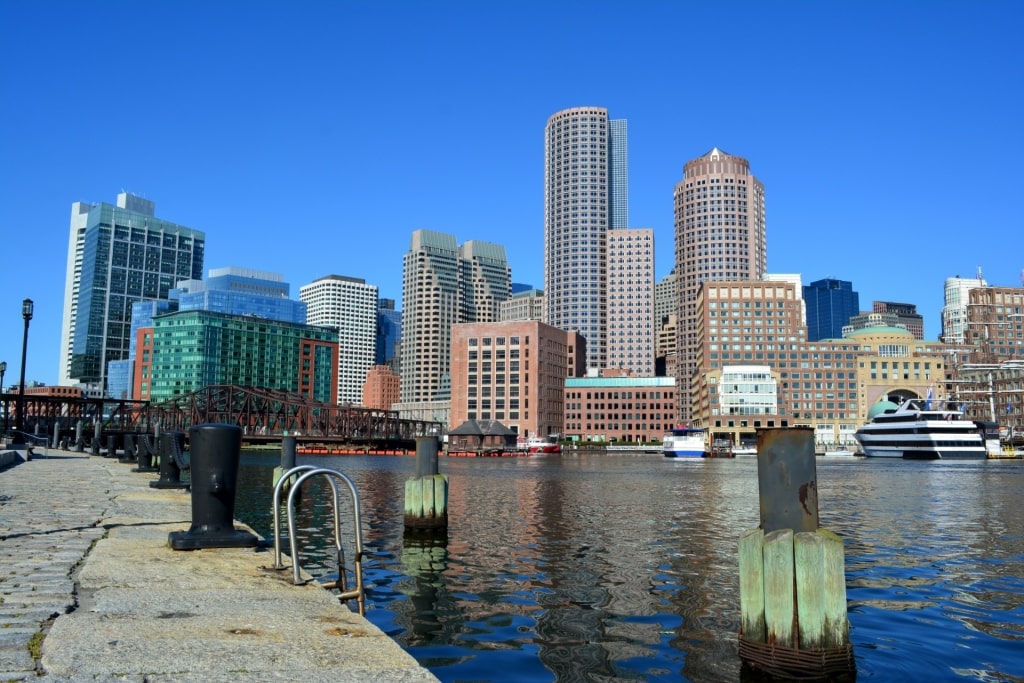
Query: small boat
[917, 431]
[684, 442]
[744, 451]
[537, 445]
[839, 452]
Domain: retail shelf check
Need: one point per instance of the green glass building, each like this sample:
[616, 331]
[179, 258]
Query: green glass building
[189, 350]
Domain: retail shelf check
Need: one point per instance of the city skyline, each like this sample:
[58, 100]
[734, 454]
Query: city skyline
[887, 135]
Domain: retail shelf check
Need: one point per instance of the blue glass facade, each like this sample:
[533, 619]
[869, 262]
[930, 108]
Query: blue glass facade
[127, 255]
[389, 331]
[830, 305]
[237, 291]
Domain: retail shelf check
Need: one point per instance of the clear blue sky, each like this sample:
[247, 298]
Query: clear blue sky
[313, 138]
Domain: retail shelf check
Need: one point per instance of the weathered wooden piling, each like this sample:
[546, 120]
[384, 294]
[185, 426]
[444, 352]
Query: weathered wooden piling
[793, 620]
[426, 494]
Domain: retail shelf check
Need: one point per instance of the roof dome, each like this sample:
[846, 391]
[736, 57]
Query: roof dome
[880, 408]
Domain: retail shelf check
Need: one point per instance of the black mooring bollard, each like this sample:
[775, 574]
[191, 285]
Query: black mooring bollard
[216, 450]
[172, 461]
[145, 454]
[129, 450]
[111, 446]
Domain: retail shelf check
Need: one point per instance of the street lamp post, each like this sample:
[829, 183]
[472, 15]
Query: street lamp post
[3, 371]
[26, 313]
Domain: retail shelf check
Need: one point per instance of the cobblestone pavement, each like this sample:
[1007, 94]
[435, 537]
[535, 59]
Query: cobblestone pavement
[50, 515]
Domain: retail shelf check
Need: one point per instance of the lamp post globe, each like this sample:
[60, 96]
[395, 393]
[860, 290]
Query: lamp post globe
[19, 423]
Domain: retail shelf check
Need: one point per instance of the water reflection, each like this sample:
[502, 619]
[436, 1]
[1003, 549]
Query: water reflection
[623, 567]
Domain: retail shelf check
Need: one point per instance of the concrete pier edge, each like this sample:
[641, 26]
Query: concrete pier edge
[90, 590]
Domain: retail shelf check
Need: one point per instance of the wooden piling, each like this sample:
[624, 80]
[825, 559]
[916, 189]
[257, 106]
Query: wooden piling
[793, 620]
[426, 494]
[752, 585]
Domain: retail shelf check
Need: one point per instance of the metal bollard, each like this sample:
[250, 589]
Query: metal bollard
[787, 479]
[111, 446]
[172, 461]
[216, 451]
[129, 450]
[145, 456]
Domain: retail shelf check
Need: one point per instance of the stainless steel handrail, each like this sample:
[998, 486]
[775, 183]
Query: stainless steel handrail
[301, 474]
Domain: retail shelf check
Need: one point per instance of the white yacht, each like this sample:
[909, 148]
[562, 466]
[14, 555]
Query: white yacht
[922, 429]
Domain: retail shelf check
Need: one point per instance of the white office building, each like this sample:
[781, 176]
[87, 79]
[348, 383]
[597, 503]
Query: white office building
[349, 305]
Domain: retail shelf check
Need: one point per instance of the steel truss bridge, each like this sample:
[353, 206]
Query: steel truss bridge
[265, 415]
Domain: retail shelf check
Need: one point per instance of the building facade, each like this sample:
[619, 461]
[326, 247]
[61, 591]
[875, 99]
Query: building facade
[444, 284]
[906, 316]
[512, 372]
[619, 409]
[241, 291]
[954, 309]
[830, 305]
[759, 323]
[389, 334]
[349, 306]
[382, 389]
[524, 305]
[117, 256]
[585, 195]
[188, 350]
[631, 318]
[720, 235]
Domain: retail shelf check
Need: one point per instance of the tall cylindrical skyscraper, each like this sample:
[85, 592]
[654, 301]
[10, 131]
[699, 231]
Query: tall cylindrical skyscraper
[585, 188]
[720, 235]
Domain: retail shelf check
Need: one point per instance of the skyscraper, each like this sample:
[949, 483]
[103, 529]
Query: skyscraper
[954, 309]
[631, 319]
[389, 334]
[348, 305]
[117, 256]
[830, 305]
[444, 284]
[720, 234]
[585, 195]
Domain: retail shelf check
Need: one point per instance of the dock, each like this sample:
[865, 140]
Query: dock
[90, 590]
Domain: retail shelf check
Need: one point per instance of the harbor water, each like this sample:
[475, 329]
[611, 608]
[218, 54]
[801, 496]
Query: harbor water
[623, 567]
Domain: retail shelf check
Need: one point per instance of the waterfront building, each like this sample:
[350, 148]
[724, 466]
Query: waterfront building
[382, 389]
[621, 409]
[893, 366]
[444, 284]
[720, 235]
[117, 255]
[524, 305]
[185, 351]
[630, 323]
[954, 309]
[758, 323]
[350, 307]
[871, 319]
[994, 327]
[512, 372]
[389, 334]
[830, 305]
[985, 369]
[585, 196]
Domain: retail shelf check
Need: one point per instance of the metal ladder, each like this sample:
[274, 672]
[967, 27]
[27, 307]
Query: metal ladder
[301, 474]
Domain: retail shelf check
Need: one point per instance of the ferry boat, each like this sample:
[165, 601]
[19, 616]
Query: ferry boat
[684, 442]
[918, 431]
[537, 444]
